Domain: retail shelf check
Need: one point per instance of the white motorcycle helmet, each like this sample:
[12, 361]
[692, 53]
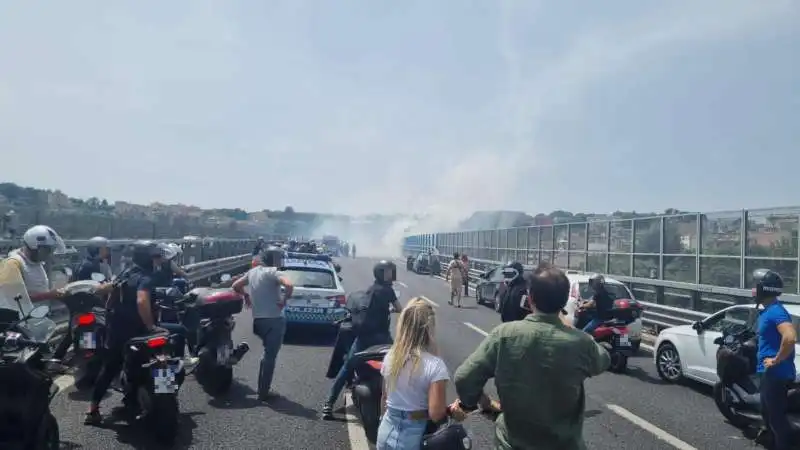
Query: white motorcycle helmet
[42, 241]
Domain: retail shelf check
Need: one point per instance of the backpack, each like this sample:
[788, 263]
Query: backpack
[365, 313]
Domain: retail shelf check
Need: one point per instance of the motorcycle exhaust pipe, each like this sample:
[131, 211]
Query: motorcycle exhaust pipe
[239, 352]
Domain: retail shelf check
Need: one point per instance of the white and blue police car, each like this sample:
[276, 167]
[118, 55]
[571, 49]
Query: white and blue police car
[318, 297]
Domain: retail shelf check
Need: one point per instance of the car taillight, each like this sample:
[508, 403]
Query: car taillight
[157, 342]
[340, 299]
[86, 319]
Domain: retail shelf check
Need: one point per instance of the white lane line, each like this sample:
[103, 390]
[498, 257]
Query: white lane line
[476, 329]
[647, 426]
[355, 431]
[430, 302]
[647, 348]
[402, 284]
[64, 382]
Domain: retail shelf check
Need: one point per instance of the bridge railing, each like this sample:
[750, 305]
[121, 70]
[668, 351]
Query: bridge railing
[651, 293]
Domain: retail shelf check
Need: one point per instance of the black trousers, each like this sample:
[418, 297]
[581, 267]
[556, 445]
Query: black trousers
[774, 409]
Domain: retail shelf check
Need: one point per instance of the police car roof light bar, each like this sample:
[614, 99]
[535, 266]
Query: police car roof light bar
[314, 256]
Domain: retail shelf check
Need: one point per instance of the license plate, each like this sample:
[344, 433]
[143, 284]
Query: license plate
[164, 381]
[624, 340]
[300, 309]
[224, 354]
[88, 340]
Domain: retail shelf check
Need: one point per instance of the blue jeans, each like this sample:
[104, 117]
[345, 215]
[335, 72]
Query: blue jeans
[592, 325]
[344, 373]
[399, 432]
[774, 407]
[271, 332]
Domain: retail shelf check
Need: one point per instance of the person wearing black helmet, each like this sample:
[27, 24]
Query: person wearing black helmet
[512, 304]
[370, 324]
[776, 343]
[130, 314]
[601, 301]
[96, 261]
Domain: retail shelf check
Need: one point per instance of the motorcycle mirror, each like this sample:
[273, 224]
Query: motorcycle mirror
[718, 341]
[338, 268]
[225, 277]
[40, 312]
[341, 279]
[697, 326]
[99, 277]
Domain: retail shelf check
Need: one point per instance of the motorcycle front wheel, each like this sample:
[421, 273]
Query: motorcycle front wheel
[619, 362]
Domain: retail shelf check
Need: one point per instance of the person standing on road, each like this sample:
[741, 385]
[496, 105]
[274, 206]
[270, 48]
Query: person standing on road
[96, 261]
[415, 380]
[512, 302]
[539, 365]
[776, 343]
[267, 303]
[455, 275]
[465, 262]
[39, 244]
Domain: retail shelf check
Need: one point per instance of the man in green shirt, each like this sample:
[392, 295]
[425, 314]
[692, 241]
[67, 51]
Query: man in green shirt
[539, 365]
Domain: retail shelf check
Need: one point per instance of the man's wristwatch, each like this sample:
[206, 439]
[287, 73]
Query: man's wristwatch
[466, 408]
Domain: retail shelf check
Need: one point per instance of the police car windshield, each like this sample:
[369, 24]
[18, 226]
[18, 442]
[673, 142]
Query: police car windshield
[310, 277]
[617, 291]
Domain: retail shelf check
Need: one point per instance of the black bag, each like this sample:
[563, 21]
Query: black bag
[358, 304]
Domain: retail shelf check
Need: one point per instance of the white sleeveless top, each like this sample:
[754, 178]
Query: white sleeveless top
[33, 274]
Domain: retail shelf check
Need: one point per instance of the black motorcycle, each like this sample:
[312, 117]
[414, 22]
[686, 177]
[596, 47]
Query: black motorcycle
[151, 377]
[26, 387]
[737, 393]
[87, 330]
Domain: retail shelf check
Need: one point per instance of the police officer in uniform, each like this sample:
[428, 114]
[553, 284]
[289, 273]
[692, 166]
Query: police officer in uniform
[375, 328]
[776, 343]
[131, 314]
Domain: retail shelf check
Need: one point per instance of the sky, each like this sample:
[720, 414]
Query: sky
[439, 107]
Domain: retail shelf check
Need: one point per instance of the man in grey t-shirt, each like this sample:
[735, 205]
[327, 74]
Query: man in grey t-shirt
[266, 300]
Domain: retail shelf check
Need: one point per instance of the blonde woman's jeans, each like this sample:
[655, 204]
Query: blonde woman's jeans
[399, 432]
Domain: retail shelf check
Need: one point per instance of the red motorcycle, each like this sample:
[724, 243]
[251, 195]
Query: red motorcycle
[613, 334]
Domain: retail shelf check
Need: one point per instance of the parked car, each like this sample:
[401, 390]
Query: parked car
[492, 284]
[688, 351]
[424, 263]
[580, 291]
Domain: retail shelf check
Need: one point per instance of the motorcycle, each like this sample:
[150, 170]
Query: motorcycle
[87, 328]
[26, 386]
[215, 309]
[737, 394]
[151, 378]
[613, 334]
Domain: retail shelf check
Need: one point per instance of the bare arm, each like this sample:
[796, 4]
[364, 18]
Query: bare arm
[286, 285]
[145, 310]
[788, 340]
[437, 402]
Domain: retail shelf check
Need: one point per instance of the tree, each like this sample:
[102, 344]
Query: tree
[288, 210]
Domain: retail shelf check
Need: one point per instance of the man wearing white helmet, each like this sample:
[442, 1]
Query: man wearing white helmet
[96, 261]
[39, 243]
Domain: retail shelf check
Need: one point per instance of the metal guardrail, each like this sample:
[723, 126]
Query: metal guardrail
[656, 316]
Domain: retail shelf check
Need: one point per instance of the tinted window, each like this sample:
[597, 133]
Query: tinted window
[730, 321]
[310, 278]
[617, 291]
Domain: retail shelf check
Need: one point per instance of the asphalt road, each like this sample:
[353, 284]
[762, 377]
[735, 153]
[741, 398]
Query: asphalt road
[633, 411]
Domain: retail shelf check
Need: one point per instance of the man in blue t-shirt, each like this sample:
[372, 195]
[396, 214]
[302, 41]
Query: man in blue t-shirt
[776, 341]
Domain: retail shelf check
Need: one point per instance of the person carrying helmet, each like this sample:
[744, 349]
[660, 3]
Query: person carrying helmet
[267, 301]
[601, 301]
[130, 313]
[776, 352]
[372, 328]
[96, 260]
[39, 244]
[512, 303]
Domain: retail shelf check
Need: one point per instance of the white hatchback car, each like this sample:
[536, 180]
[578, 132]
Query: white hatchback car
[688, 351]
[580, 291]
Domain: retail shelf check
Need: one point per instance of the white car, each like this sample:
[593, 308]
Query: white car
[688, 351]
[318, 297]
[580, 291]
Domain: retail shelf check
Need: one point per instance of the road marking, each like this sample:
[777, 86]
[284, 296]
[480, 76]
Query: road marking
[476, 329]
[647, 348]
[64, 382]
[355, 431]
[430, 302]
[402, 284]
[647, 426]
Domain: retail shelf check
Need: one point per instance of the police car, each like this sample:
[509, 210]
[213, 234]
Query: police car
[318, 297]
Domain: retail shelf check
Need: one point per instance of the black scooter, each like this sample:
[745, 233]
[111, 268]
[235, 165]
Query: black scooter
[737, 393]
[26, 387]
[87, 329]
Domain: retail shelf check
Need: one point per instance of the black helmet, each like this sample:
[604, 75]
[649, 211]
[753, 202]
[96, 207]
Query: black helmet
[272, 256]
[379, 271]
[513, 270]
[451, 436]
[596, 279]
[767, 283]
[143, 253]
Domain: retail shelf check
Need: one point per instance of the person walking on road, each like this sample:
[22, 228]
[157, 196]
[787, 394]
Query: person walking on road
[465, 262]
[267, 303]
[455, 275]
[539, 365]
[415, 381]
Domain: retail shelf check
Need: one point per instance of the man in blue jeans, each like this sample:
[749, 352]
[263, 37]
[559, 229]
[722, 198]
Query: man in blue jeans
[370, 324]
[266, 300]
[776, 342]
[601, 301]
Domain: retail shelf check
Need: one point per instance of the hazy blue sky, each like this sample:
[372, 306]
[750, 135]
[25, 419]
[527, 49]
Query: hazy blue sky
[366, 106]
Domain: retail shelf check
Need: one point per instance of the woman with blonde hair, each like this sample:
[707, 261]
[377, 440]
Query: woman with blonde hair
[415, 380]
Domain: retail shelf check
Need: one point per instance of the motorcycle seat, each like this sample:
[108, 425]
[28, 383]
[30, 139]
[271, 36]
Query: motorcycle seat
[374, 352]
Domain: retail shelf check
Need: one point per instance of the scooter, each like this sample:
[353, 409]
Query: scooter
[613, 335]
[737, 393]
[26, 386]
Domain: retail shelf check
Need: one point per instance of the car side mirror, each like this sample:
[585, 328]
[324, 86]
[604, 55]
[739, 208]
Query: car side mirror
[719, 341]
[697, 326]
[340, 278]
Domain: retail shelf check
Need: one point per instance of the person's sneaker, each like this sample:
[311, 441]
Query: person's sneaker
[93, 418]
[327, 411]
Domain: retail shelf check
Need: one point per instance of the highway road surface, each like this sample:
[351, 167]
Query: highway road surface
[624, 412]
